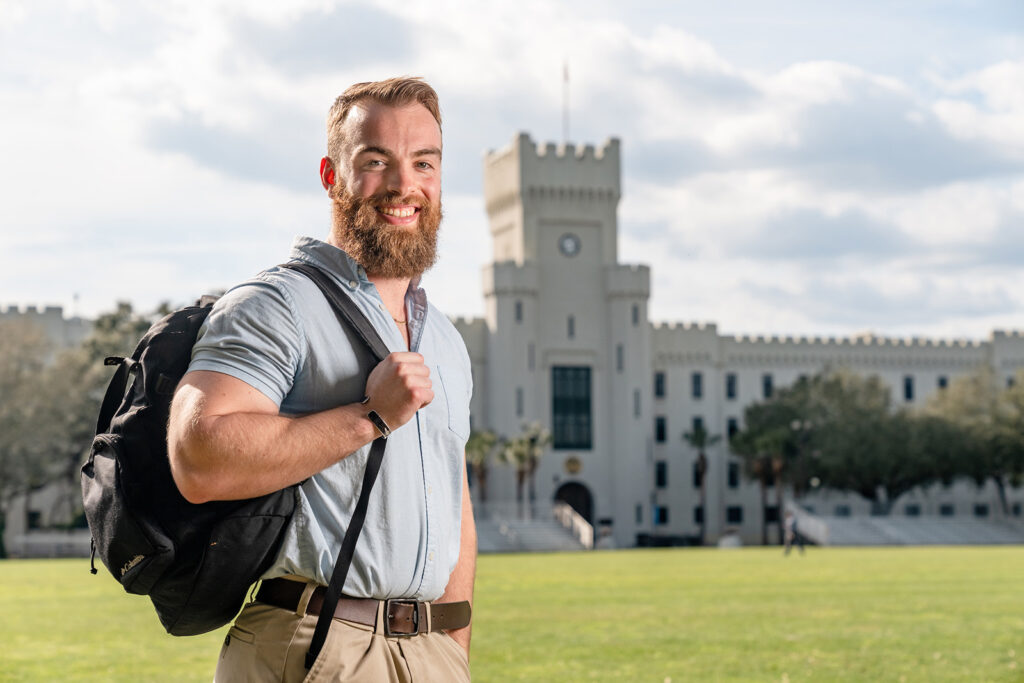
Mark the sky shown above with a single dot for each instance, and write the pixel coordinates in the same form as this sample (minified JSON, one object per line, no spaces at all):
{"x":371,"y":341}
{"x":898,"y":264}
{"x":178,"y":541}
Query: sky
{"x":794,"y":167}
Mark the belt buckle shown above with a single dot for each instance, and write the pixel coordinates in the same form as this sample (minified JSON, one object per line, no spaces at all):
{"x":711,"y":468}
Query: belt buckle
{"x":415,"y":617}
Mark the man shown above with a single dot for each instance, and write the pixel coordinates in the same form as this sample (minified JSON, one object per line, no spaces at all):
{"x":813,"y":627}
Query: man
{"x":275,"y":396}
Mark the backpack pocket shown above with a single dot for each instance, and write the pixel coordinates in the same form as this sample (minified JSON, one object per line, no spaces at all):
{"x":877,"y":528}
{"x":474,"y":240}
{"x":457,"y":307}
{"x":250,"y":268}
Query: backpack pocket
{"x":136,"y":553}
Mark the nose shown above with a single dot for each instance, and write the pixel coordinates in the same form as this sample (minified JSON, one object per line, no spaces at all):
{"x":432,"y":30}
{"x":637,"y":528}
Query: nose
{"x":401,"y":180}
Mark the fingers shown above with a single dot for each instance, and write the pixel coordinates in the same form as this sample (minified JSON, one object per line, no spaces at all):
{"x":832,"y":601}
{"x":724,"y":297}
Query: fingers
{"x":399,"y":386}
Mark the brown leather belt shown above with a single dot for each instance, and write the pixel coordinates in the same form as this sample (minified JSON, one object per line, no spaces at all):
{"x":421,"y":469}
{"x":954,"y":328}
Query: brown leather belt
{"x":404,"y":617}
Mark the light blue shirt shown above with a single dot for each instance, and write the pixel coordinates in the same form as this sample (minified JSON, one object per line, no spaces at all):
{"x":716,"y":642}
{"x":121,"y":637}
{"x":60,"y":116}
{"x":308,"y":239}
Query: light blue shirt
{"x":278,"y":334}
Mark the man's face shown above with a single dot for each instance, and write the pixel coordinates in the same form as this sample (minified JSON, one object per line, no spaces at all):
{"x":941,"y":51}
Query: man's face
{"x":387,"y":193}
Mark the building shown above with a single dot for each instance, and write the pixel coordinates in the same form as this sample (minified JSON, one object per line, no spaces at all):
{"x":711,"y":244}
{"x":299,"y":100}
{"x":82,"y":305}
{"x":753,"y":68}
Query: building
{"x":566,"y":341}
{"x":63,"y":333}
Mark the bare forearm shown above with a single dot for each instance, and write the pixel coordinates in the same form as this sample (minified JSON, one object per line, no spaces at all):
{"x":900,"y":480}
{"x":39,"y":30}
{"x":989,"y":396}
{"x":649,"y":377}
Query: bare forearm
{"x":462,"y":579}
{"x":243,"y":455}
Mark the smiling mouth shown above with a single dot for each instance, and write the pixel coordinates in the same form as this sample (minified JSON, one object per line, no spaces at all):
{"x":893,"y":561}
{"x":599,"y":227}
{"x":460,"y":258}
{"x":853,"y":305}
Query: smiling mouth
{"x":398,"y":212}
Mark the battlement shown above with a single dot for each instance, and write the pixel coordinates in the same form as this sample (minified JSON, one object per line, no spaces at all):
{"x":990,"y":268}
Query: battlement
{"x":32,"y":311}
{"x":570,"y":170}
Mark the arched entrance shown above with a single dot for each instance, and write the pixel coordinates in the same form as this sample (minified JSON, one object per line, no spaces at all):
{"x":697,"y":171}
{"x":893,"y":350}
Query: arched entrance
{"x":579,"y":499}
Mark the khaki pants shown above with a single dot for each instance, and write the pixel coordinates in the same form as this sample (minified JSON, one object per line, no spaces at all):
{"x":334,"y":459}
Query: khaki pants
{"x":270,"y":644}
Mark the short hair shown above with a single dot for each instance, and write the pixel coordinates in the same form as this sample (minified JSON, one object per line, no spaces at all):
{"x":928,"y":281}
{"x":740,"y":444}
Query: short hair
{"x":394,"y":92}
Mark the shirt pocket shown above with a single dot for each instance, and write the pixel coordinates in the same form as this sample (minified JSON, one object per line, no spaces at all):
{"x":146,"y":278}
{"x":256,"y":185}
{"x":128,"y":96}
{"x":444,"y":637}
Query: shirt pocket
{"x":456,"y":398}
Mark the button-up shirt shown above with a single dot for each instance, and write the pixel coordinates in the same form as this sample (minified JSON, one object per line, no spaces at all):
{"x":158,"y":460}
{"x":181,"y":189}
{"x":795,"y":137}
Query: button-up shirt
{"x":278,"y":334}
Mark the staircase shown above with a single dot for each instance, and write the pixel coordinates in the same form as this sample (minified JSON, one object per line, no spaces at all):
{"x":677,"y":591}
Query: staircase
{"x":508,"y":528}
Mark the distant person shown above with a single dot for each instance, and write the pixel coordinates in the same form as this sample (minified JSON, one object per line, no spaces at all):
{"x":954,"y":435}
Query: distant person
{"x":791,"y":534}
{"x":275,"y":396}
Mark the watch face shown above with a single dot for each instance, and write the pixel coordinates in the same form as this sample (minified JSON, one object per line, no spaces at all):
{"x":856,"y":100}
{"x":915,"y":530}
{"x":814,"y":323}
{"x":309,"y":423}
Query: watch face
{"x":569,"y":244}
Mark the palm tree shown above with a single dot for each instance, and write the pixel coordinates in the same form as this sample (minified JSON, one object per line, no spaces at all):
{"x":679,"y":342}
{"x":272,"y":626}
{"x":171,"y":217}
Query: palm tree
{"x":479,"y":449}
{"x":523,"y":452}
{"x":701,"y":440}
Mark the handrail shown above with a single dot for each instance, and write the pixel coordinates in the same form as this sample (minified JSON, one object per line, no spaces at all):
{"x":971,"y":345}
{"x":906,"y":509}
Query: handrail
{"x":574,"y":522}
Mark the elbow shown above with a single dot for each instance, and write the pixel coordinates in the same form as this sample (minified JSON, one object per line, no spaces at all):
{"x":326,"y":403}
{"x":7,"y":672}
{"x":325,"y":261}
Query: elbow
{"x":190,"y":480}
{"x":193,"y":479}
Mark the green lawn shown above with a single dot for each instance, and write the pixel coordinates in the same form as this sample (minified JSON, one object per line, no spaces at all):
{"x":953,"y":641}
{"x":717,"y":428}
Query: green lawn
{"x":914,"y":614}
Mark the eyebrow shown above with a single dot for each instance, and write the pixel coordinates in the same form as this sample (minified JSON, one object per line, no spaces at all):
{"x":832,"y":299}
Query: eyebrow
{"x":426,"y":151}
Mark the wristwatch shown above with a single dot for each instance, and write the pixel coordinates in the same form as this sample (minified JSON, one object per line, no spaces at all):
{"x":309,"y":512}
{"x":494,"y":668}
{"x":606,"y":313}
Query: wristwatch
{"x":379,"y":423}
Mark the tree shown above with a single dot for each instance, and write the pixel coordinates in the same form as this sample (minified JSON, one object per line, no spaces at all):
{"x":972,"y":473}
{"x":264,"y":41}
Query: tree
{"x":479,"y":449}
{"x":24,"y":352}
{"x":49,"y":405}
{"x":992,"y":419}
{"x":523,"y":452}
{"x":701,"y":440}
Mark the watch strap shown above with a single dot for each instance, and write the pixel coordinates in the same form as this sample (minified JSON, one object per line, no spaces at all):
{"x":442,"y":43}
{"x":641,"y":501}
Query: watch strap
{"x":378,"y":422}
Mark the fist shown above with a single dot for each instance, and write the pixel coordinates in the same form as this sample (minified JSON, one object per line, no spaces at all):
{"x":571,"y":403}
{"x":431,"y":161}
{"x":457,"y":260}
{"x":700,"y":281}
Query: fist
{"x":398,"y":387}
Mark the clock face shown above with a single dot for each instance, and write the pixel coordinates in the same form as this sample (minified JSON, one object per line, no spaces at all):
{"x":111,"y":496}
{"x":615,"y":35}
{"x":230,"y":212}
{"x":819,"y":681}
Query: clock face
{"x":569,"y":244}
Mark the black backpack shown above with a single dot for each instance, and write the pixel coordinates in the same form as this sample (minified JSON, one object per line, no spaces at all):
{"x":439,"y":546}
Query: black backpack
{"x":196,"y":562}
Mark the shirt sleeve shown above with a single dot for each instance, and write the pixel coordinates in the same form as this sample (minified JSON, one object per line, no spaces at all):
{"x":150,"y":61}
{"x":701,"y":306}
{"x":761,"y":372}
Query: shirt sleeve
{"x":252,"y":334}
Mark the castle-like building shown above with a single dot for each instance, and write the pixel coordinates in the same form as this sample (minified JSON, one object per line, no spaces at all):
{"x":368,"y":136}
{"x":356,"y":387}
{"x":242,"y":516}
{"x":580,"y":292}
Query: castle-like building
{"x":566,"y":341}
{"x":62,"y":333}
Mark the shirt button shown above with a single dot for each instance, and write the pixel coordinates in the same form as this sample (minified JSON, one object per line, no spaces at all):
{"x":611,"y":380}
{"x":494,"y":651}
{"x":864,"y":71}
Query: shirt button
{"x":430,"y":489}
{"x":430,"y":556}
{"x":353,"y":284}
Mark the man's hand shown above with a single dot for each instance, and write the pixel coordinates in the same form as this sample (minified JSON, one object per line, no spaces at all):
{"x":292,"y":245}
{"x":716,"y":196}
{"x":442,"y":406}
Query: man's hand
{"x":398,"y":387}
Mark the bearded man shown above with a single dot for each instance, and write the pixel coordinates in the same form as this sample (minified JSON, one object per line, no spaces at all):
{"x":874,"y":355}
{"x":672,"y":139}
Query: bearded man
{"x":275,"y":395}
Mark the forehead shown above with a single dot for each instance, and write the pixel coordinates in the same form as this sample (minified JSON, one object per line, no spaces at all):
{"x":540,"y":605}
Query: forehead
{"x":410,"y":125}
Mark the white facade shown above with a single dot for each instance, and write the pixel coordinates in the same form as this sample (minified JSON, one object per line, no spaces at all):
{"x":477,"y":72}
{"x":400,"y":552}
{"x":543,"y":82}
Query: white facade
{"x":559,"y":304}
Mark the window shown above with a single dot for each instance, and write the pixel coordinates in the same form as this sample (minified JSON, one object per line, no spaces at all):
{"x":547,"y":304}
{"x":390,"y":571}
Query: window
{"x":636,"y":403}
{"x":766,"y":385}
{"x":809,"y":509}
{"x":947,"y":510}
{"x":636,"y":315}
{"x":981,"y":510}
{"x":660,"y":429}
{"x":570,"y":406}
{"x":771,"y":514}
{"x":698,"y":424}
{"x":531,"y":357}
{"x":620,"y":357}
{"x":908,"y":388}
{"x":660,"y":515}
{"x":519,"y":402}
{"x":698,"y":515}
{"x":730,"y":386}
{"x":661,"y":474}
{"x":519,"y":311}
{"x":734,"y":514}
{"x":842,"y":510}
{"x":733,"y":426}
{"x":1015,"y":510}
{"x":734,"y":475}
{"x":1009,"y":382}
{"x":639,"y":514}
{"x":943,"y":382}
{"x":34,"y":519}
{"x":912,"y":510}
{"x":571,"y":326}
{"x":696,"y":385}
{"x":659,"y":385}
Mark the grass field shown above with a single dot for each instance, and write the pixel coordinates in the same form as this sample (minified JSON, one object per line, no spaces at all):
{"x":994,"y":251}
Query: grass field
{"x":899,"y":614}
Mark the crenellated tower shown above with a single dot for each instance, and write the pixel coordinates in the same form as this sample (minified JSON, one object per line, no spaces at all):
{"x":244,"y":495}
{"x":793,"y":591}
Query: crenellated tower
{"x":568,"y":334}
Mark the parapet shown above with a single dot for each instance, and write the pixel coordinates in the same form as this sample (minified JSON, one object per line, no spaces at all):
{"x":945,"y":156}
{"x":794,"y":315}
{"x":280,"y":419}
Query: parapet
{"x":525,"y":164}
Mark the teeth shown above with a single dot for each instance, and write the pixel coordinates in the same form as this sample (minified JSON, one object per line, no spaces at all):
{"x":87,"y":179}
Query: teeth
{"x":398,"y":213}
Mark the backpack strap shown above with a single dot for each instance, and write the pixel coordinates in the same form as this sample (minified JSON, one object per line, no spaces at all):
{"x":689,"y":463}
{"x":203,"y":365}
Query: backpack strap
{"x":115,"y":391}
{"x":349,"y":313}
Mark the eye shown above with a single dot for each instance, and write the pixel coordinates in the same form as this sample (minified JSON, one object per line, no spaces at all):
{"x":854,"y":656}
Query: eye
{"x":425,"y":165}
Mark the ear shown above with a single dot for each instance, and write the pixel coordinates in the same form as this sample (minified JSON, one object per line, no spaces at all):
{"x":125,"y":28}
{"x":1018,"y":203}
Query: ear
{"x":326,"y":173}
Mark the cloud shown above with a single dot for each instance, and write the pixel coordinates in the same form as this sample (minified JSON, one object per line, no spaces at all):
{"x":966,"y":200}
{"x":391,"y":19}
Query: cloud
{"x":319,"y":41}
{"x":809,"y":235}
{"x":281,"y":147}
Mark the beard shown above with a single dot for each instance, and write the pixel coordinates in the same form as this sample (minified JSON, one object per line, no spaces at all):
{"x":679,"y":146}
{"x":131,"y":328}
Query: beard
{"x":385,"y":250}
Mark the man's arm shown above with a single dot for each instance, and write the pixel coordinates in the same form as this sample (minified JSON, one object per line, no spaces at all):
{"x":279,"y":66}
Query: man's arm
{"x":226,"y":440}
{"x":460,"y":583}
